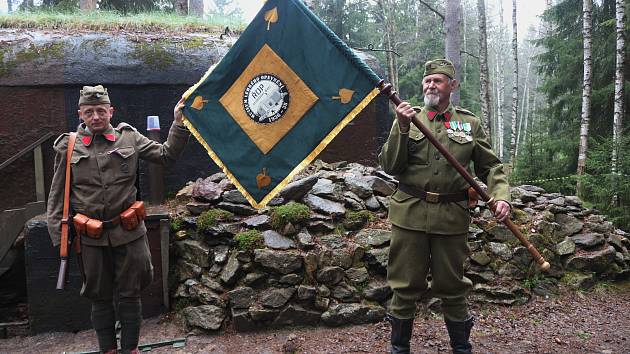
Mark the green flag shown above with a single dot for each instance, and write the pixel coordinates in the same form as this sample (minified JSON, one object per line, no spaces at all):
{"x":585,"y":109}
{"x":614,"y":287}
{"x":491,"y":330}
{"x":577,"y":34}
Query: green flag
{"x":282,"y":93}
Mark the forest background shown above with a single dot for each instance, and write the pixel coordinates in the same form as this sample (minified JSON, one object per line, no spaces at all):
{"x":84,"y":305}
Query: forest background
{"x":551,"y":101}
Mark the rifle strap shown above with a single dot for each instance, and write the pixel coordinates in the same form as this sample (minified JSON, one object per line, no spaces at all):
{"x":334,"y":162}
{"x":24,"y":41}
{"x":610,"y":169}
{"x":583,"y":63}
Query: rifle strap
{"x":63,"y":250}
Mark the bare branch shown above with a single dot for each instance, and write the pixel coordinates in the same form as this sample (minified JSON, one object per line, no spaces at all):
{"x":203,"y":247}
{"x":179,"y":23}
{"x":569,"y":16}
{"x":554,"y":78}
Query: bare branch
{"x":470,"y":54}
{"x":432,"y":9}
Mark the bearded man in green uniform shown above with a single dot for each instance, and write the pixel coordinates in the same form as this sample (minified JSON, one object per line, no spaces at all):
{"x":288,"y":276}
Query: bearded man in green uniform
{"x":429,"y":211}
{"x":117,"y":262}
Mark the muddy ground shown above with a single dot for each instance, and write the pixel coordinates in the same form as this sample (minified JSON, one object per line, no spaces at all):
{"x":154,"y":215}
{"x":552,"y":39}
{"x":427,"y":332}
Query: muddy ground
{"x":594,"y":321}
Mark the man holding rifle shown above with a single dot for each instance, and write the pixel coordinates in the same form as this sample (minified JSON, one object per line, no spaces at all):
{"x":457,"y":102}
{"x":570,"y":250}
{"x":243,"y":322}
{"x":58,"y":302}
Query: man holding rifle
{"x":115,"y":258}
{"x":429,"y":211}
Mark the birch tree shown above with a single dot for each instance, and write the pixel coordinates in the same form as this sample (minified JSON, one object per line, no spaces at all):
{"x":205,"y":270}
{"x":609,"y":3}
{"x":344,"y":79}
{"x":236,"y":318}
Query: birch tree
{"x":484,"y":74}
{"x":620,"y":8}
{"x":587,"y":10}
{"x":514,"y":84}
{"x":195,"y":8}
{"x":453,"y":19}
{"x":388,"y":22}
{"x":181,"y":7}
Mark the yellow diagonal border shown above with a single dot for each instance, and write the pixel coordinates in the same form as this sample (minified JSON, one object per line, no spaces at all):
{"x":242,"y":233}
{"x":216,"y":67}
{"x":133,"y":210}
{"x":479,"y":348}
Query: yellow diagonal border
{"x":316,"y":151}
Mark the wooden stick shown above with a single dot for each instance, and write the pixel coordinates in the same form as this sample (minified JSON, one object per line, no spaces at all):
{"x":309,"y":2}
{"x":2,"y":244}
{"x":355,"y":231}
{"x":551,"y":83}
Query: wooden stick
{"x":387,"y":90}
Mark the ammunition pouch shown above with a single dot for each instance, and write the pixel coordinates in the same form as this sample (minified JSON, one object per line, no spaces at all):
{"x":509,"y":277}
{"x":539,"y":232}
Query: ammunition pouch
{"x":93,"y":228}
{"x":132,"y":217}
{"x":84,"y":225}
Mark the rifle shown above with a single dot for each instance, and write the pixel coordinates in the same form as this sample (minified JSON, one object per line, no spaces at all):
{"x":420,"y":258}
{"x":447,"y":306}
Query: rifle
{"x":67,"y":235}
{"x":387,"y":90}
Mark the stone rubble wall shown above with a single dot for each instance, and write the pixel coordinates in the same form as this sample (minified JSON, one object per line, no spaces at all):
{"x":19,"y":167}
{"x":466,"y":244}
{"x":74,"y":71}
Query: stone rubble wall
{"x":331,"y":269}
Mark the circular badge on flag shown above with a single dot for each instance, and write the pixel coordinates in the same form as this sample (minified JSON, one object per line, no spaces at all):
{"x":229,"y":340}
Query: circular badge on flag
{"x":266,"y":98}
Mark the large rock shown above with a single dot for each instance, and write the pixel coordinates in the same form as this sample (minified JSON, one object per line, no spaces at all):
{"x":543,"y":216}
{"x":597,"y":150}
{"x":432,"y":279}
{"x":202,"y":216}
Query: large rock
{"x":194,"y":251}
{"x":501,"y":249}
{"x":298,"y":189}
{"x":380,"y":186}
{"x":345,"y":293}
{"x":325,"y":188}
{"x":231,"y":271}
{"x":377,"y":291}
{"x":500,"y":232}
{"x":359,"y":186}
{"x":208,"y":191}
{"x":569,"y":225}
{"x":597,"y":261}
{"x":241,"y":297}
{"x":295,"y":315}
{"x":234,"y":196}
{"x":260,"y":222}
{"x":377,"y":259}
{"x":276,"y":298}
{"x":276,"y":241}
{"x":514,"y":295}
{"x":373,"y":237}
{"x":281,"y":262}
{"x":357,"y":275}
{"x":324,"y":206}
{"x":208,"y":317}
{"x":565,"y":247}
{"x":330,"y":275}
{"x":589,"y":240}
{"x":344,"y":314}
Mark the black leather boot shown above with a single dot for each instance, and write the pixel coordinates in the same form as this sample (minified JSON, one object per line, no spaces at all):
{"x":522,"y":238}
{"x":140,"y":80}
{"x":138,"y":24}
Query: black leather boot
{"x":459,"y":332}
{"x":401,"y":334}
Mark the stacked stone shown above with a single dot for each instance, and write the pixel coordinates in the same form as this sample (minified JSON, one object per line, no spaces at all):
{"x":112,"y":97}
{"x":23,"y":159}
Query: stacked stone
{"x":319,"y":271}
{"x":331,"y":270}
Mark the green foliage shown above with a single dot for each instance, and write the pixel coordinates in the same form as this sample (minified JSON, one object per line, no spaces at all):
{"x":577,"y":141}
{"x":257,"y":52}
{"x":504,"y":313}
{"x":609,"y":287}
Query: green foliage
{"x":210,"y":218}
{"x":249,"y":240}
{"x":177,"y":223}
{"x":291,"y":212}
{"x":359,"y":216}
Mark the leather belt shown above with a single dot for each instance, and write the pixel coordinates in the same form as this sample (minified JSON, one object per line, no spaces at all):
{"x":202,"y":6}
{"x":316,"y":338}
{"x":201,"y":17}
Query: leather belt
{"x":110,"y":224}
{"x":433,"y":197}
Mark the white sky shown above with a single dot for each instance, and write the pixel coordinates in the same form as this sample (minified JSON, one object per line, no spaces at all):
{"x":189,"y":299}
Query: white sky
{"x":527,"y":10}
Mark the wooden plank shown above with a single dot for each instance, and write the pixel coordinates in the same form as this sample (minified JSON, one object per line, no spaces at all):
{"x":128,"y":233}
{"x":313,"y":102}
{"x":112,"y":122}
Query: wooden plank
{"x":11,"y":223}
{"x":27,"y":149}
{"x":39,"y":174}
{"x":165,"y":226}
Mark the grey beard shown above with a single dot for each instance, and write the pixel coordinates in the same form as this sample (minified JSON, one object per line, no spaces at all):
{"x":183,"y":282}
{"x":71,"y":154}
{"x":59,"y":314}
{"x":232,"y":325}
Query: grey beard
{"x":431,"y":100}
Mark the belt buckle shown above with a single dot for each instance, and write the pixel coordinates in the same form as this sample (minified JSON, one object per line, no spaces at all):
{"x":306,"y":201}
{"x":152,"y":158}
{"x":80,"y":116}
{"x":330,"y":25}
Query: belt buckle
{"x":432,"y":197}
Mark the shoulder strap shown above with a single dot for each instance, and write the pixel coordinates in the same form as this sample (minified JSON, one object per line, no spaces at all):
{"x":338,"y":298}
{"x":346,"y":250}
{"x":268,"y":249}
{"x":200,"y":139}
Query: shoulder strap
{"x":63,"y":249}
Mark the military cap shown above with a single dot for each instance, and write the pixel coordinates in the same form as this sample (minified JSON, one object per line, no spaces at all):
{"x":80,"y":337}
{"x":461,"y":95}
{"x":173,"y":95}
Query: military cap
{"x":439,"y":66}
{"x":93,"y":95}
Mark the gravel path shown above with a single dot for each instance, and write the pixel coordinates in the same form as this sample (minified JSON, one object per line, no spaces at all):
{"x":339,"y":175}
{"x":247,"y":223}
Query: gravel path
{"x":597,"y":321}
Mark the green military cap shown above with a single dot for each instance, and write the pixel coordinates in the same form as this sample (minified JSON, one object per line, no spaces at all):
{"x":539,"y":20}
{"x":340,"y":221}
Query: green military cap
{"x":93,"y":95}
{"x":439,"y":66}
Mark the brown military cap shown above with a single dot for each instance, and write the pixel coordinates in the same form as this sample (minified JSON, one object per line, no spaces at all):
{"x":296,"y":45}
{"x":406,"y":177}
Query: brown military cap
{"x":439,"y":66}
{"x":93,"y":95}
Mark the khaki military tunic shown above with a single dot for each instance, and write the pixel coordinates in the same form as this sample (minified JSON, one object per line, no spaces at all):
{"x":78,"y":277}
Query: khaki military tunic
{"x":416,"y":162}
{"x":103,"y":176}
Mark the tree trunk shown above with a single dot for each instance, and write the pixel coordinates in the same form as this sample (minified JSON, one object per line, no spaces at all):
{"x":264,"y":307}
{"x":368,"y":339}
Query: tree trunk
{"x":484,"y":73}
{"x":10,"y":6}
{"x":465,"y":58}
{"x":338,"y":16}
{"x":514,"y":85}
{"x":586,"y":87}
{"x":181,"y":7}
{"x":195,"y":8}
{"x":87,"y":5}
{"x":452,"y":45}
{"x":619,"y":91}
{"x":500,"y":88}
{"x":392,"y":65}
{"x":524,"y":109}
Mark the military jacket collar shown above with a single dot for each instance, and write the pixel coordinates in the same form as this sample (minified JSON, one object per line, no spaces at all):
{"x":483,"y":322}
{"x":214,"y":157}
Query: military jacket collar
{"x":446,"y":115}
{"x":87,"y":137}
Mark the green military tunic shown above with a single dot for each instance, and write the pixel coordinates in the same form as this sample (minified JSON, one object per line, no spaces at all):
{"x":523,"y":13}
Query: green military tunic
{"x":103,"y":176}
{"x":416,"y":162}
{"x":428,"y":235}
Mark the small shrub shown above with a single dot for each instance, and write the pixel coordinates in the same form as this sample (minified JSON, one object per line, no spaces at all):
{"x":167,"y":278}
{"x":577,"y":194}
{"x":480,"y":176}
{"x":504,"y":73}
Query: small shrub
{"x":177,"y":224}
{"x":361,"y":215}
{"x":291,"y":212}
{"x":249,"y":240}
{"x":210,"y":218}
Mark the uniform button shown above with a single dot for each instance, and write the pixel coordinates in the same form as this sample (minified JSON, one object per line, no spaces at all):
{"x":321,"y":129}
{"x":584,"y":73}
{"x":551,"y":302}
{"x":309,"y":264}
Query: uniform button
{"x":103,"y":169}
{"x":439,"y":130}
{"x":437,"y":156}
{"x":436,"y":172}
{"x":105,"y":186}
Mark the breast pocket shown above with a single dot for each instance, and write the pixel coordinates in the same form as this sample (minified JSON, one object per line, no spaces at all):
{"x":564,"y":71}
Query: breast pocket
{"x":124,"y":163}
{"x":80,"y":168}
{"x":461,"y":147}
{"x":418,"y":149}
